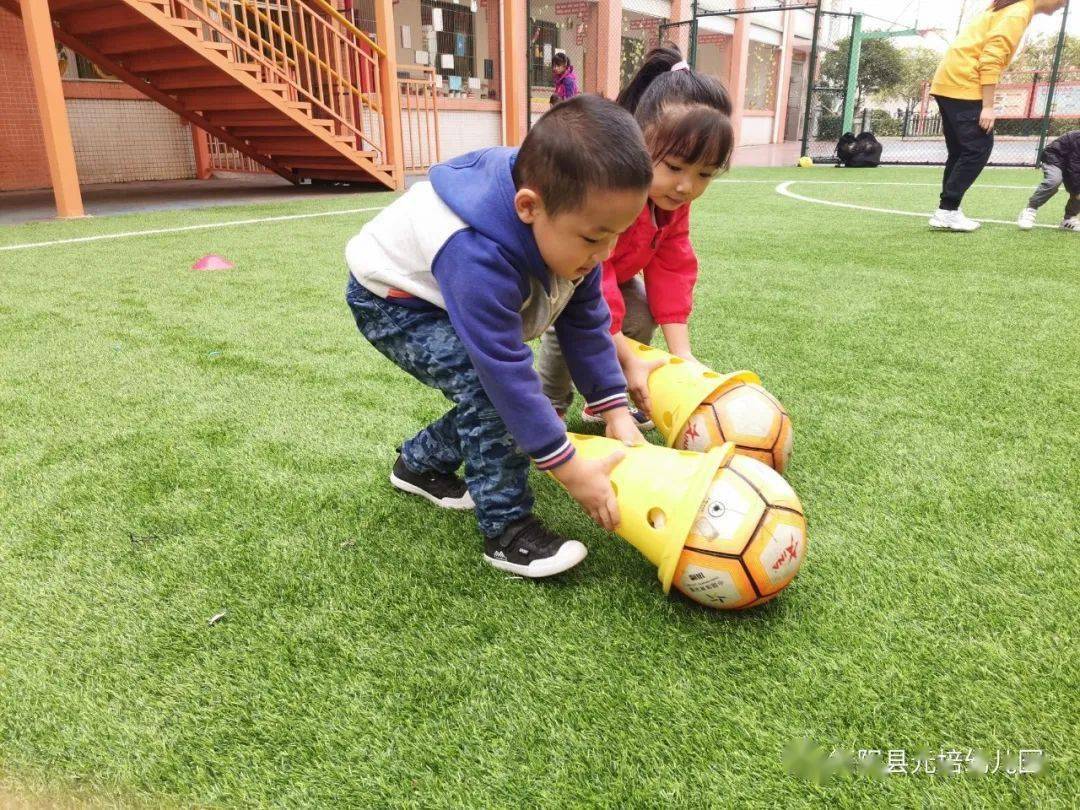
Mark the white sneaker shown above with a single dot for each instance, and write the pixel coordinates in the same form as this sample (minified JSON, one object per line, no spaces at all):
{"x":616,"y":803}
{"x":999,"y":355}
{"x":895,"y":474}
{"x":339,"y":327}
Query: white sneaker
{"x":1071,"y":224}
{"x":1027,"y":219}
{"x":953,"y":221}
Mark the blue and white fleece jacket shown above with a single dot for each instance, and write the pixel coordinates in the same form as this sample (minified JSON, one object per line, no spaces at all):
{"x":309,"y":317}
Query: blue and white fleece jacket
{"x":456,"y":243}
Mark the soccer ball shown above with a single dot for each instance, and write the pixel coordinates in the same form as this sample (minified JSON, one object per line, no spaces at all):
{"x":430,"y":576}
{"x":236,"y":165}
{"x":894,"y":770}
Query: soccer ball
{"x":748,"y":540}
{"x":805,"y":162}
{"x":747,"y":415}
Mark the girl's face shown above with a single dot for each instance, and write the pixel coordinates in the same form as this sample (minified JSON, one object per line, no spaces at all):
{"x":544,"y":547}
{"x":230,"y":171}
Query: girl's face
{"x":558,"y":70}
{"x":676,"y":182}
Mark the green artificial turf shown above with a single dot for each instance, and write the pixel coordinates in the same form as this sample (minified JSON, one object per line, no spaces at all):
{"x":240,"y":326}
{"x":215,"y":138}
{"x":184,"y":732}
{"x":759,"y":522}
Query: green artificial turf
{"x":176,"y":444}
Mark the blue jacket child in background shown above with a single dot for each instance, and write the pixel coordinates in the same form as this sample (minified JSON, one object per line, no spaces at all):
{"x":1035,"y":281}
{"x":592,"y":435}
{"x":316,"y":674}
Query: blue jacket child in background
{"x":452,"y":279}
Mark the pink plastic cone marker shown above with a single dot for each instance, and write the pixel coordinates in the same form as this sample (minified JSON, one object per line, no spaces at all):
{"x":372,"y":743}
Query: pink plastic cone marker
{"x":213,"y":261}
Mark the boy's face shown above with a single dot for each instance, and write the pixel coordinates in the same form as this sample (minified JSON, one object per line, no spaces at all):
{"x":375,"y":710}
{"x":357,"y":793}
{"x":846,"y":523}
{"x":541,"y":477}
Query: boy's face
{"x":574,"y":241}
{"x":676,"y":182}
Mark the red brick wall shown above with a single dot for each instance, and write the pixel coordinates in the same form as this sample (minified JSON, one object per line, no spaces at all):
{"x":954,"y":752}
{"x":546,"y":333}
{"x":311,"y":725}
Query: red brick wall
{"x":22,"y":156}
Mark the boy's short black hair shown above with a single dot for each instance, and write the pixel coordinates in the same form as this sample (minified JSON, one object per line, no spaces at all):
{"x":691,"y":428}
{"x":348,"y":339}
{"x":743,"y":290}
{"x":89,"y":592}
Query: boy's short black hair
{"x":583,"y":144}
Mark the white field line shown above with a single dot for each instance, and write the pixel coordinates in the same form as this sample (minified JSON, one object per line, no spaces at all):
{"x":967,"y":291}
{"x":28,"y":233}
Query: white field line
{"x":205,"y":226}
{"x":785,"y":190}
{"x":781,"y":189}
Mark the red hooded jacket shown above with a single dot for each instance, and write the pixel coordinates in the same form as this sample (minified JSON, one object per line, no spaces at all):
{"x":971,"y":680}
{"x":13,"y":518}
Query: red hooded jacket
{"x":660,"y":246}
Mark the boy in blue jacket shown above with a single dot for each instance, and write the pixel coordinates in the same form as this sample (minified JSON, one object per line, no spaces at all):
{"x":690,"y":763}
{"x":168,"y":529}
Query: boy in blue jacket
{"x":452,"y":279}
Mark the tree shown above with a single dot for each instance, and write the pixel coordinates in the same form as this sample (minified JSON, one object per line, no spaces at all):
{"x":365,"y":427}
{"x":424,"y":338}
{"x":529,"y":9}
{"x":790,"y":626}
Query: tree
{"x":920,"y":64}
{"x":881,"y":67}
{"x":1039,"y":56}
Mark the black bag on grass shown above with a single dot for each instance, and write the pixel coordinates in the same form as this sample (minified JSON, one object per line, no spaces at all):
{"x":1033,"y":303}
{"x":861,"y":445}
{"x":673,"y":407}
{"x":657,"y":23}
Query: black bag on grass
{"x":859,"y":152}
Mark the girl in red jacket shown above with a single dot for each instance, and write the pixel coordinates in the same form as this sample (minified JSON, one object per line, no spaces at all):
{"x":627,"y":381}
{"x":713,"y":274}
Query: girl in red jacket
{"x":649,"y":278}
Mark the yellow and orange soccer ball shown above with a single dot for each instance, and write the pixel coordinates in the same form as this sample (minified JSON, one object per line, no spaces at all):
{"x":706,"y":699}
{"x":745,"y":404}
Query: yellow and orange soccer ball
{"x":748,"y":540}
{"x":749,"y":416}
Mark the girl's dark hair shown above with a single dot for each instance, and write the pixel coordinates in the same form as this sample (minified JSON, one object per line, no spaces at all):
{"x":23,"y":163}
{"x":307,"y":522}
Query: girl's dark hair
{"x":682,"y":113}
{"x":560,"y":59}
{"x":998,"y":5}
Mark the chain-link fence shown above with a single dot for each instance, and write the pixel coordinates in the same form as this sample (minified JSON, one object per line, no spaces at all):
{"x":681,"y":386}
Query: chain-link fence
{"x":885,"y":89}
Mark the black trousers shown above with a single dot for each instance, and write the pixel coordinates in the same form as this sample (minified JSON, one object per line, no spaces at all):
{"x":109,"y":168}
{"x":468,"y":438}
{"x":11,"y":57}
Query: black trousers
{"x":969,"y":148}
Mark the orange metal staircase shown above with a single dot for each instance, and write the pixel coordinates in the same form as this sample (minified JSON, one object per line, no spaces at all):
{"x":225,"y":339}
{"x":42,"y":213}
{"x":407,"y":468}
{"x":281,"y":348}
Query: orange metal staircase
{"x":289,"y":83}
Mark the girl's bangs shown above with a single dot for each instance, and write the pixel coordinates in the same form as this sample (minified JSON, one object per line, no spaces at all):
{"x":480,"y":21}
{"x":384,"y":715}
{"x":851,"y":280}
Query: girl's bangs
{"x":696,"y":135}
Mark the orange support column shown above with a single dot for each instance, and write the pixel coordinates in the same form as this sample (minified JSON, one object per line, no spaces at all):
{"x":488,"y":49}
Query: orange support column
{"x":681,"y":10}
{"x":608,"y":47}
{"x":389,"y":90}
{"x":740,"y":58}
{"x":200,"y":142}
{"x":787,"y":60}
{"x":41,"y":48}
{"x":515,"y":71}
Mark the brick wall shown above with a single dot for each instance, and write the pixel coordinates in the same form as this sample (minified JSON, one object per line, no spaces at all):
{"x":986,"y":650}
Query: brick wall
{"x":117,"y":139}
{"x":22,"y":157}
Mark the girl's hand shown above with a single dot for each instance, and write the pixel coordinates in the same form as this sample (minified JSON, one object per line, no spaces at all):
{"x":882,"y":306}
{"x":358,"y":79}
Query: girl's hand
{"x":987,"y":119}
{"x":637,"y":371}
{"x":622,"y":427}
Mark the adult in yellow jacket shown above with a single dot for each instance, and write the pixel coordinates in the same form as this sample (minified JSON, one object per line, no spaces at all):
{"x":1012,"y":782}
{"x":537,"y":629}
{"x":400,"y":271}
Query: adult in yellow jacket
{"x":964,"y":86}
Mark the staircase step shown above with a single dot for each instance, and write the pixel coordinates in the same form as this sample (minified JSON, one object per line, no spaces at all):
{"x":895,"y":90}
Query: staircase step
{"x":59,"y":7}
{"x":324,"y":163}
{"x":299,"y":146}
{"x":221,"y":98}
{"x":192,"y":79}
{"x":282,"y":130}
{"x":345,"y":177}
{"x":256,"y":118}
{"x":111,"y":18}
{"x":175,"y":59}
{"x":141,"y":40}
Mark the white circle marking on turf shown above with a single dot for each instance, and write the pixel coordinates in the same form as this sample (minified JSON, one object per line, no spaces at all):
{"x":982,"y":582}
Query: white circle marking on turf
{"x":784,"y":189}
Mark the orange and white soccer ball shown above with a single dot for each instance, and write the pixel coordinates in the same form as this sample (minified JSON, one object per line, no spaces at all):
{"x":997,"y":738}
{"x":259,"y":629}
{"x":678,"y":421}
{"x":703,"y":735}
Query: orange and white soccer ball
{"x":748,"y":540}
{"x":749,"y":416}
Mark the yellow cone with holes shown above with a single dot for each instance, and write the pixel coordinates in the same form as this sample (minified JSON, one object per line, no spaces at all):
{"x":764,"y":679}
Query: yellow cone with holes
{"x":678,"y":387}
{"x":725,"y":529}
{"x":659,"y":492}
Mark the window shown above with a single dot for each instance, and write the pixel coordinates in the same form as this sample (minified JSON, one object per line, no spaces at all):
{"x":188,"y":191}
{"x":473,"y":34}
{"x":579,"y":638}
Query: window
{"x":456,"y":38}
{"x":762,"y":73}
{"x":543,"y":33}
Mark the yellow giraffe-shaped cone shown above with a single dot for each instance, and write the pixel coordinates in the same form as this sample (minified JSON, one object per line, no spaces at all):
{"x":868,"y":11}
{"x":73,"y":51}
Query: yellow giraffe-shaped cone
{"x":659,"y":491}
{"x":679,"y":386}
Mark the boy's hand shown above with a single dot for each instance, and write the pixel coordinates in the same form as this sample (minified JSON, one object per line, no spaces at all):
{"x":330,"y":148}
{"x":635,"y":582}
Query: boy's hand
{"x":637,"y":371}
{"x":589,"y":483}
{"x":622,"y":427}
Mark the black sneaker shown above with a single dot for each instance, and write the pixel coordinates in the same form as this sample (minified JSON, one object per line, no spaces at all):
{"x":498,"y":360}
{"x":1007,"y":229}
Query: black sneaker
{"x":528,"y":549}
{"x":447,"y":491}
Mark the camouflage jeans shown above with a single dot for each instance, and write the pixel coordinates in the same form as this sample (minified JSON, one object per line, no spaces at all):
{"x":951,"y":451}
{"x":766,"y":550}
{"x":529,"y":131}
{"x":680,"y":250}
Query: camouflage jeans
{"x":423,"y":343}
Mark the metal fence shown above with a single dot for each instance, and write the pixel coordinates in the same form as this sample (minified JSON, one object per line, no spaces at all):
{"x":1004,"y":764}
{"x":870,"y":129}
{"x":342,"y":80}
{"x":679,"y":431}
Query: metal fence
{"x":1032,"y":105}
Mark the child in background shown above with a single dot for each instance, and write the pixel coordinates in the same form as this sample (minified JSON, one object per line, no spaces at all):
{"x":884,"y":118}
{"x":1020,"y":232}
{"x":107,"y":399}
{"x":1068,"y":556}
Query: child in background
{"x":566,"y":85}
{"x":452,"y":279}
{"x":1061,"y":166}
{"x":649,"y":278}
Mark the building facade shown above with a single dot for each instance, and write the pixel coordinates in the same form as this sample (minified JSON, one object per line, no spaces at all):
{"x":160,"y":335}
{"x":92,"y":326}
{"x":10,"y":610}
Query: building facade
{"x":467,"y":75}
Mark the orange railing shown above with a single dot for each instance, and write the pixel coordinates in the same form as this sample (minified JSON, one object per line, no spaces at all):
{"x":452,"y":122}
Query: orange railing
{"x":309,"y":49}
{"x":223,"y":158}
{"x":419,"y":118}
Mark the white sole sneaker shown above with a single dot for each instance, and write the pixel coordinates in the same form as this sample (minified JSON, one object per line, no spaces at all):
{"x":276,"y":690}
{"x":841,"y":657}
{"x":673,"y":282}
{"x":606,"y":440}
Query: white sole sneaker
{"x":965,"y":225}
{"x":463,"y":503}
{"x":569,"y":554}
